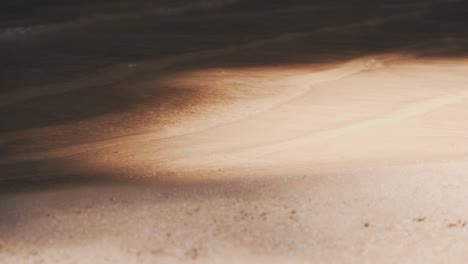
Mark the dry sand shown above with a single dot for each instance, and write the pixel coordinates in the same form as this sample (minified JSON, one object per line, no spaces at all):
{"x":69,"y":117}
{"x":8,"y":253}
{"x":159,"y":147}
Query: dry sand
{"x":360,"y":162}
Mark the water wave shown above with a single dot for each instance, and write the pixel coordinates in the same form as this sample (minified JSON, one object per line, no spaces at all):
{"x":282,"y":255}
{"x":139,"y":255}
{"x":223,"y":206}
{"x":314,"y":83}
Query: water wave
{"x":23,"y":27}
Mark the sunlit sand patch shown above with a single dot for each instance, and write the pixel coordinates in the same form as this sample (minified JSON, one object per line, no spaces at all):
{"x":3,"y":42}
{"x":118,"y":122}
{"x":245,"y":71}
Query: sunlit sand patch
{"x":277,"y":115}
{"x":220,"y":96}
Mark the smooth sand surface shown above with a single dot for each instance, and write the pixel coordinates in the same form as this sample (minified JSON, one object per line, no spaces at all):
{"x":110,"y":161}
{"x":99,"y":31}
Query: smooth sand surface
{"x":358,"y":162}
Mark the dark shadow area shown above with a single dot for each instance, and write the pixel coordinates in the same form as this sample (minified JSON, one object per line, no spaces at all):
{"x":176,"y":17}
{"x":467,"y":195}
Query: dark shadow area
{"x":38,"y":59}
{"x":438,"y":33}
{"x":64,"y":174}
{"x":87,"y":102}
{"x":27,"y":177}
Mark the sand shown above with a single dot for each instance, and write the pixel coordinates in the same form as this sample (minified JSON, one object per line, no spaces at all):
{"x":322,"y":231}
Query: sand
{"x":357,"y":162}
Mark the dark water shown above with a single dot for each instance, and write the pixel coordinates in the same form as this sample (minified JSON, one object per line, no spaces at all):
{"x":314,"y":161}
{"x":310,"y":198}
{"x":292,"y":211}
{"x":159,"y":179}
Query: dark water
{"x":50,"y":41}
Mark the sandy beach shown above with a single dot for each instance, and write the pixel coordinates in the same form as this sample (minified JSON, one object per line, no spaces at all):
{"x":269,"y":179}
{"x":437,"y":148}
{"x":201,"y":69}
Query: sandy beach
{"x":360,"y":162}
{"x":234,"y":132}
